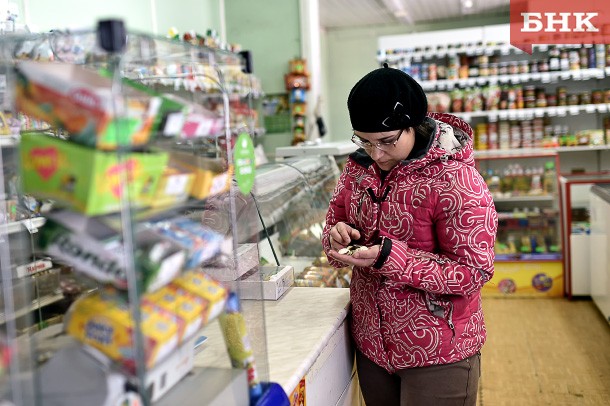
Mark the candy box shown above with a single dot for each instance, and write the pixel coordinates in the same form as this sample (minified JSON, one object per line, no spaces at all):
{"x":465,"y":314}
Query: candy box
{"x":94,"y":246}
{"x":102,"y":321}
{"x":174,"y":186}
{"x":83,"y":102}
{"x":211,"y":175}
{"x":186,"y":307}
{"x":267,"y":282}
{"x":200,"y":242}
{"x":86,"y":179}
{"x":203,"y":286}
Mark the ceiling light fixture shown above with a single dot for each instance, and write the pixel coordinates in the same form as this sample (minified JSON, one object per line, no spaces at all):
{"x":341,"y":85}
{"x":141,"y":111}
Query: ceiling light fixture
{"x":467,"y":6}
{"x":397,"y":8}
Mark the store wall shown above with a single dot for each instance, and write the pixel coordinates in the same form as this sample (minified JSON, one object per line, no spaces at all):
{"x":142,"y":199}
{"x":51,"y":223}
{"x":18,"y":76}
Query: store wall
{"x":149,"y":16}
{"x":351,"y":53}
{"x":271,"y":30}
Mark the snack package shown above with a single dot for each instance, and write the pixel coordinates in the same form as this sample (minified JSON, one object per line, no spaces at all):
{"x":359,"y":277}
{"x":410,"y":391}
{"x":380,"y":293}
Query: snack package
{"x":233,"y":325}
{"x":187,"y":307}
{"x":83,"y":102}
{"x":86,"y":179}
{"x":206,"y":288}
{"x":95,"y":248}
{"x":103,"y":322}
{"x":211,"y":175}
{"x":200,"y":242}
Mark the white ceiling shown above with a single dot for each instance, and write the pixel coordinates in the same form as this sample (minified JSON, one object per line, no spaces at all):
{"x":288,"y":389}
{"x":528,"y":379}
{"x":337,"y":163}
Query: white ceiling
{"x":353,"y":13}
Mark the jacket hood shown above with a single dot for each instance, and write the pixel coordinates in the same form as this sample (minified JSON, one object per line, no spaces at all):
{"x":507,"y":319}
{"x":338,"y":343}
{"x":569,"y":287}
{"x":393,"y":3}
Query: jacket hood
{"x":452,"y":139}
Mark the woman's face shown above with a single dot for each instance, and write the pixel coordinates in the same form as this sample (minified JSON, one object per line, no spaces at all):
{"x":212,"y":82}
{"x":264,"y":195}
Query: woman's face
{"x":387,"y":149}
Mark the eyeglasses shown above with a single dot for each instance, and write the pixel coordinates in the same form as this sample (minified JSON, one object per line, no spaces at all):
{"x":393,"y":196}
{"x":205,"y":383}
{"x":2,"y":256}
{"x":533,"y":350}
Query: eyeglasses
{"x":381,"y":145}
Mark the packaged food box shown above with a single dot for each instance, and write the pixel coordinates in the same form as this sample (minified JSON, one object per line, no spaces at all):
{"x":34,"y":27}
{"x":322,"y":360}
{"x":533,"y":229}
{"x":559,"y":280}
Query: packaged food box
{"x":94,"y":247}
{"x":211,"y":175}
{"x":174,"y":186}
{"x":200,"y":242}
{"x":86,"y":179}
{"x":103,"y":322}
{"x":203,"y":286}
{"x":83,"y":102}
{"x":187,"y":307}
{"x":270,"y":282}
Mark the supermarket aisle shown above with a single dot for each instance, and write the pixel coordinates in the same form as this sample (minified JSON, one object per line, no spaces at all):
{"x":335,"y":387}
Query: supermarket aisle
{"x":545,"y":352}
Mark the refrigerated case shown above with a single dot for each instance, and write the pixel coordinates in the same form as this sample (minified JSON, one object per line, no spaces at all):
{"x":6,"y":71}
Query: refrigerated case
{"x":599,"y":248}
{"x":528,"y":250}
{"x":119,"y":142}
{"x":576,"y":230}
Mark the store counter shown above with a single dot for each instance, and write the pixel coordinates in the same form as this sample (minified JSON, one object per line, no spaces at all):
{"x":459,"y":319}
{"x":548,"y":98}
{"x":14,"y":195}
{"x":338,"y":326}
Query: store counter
{"x":307,"y":339}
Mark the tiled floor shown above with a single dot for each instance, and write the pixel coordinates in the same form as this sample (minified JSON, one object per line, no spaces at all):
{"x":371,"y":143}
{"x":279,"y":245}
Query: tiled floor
{"x":545,"y":352}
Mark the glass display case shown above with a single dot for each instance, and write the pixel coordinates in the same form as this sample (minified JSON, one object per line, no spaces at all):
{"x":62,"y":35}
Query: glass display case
{"x":120,"y":152}
{"x":528,"y":250}
{"x":576,"y":218}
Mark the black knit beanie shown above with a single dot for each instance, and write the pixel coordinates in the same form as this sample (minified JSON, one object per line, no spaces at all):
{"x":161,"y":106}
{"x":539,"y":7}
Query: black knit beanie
{"x":386,"y":99}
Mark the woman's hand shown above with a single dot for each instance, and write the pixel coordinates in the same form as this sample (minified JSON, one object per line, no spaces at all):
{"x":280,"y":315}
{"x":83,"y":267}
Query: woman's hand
{"x":341,"y":235}
{"x":362,"y":258}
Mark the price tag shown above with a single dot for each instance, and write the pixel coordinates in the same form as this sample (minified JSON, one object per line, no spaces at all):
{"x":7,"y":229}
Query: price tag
{"x":493,"y":80}
{"x":481,"y":81}
{"x":471,"y":82}
{"x":524,"y":77}
{"x":566,"y":75}
{"x":539,"y":112}
{"x":493,"y":117}
{"x":441,"y":85}
{"x":503,"y":115}
{"x":561,"y":111}
{"x":577,"y":75}
{"x":545,"y":77}
{"x":535,"y":76}
{"x":31,"y":227}
{"x":602,"y":108}
{"x":590,"y":108}
{"x":466,"y":117}
{"x":176,"y":185}
{"x":573,"y":110}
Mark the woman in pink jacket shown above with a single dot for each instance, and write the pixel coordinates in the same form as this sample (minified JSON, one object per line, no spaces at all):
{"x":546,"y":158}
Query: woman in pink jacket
{"x":411,"y":195}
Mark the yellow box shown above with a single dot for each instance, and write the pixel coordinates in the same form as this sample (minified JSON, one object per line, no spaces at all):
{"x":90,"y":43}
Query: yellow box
{"x":211,"y":175}
{"x":174,"y":186}
{"x":201,"y":285}
{"x":100,"y":321}
{"x":188,"y":308}
{"x":526,"y":278}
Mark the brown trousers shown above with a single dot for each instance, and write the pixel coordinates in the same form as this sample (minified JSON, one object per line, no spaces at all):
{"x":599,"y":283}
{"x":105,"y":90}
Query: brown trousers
{"x":438,"y":385}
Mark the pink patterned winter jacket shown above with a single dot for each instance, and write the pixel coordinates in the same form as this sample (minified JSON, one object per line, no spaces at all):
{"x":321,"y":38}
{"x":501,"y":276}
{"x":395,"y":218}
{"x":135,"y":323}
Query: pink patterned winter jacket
{"x":420,"y":303}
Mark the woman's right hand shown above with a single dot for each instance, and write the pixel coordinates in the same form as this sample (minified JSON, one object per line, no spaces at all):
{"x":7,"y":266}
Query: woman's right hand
{"x":341,"y":235}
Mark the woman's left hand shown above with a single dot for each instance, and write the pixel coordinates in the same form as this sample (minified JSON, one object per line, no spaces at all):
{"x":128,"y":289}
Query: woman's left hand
{"x":362,"y":258}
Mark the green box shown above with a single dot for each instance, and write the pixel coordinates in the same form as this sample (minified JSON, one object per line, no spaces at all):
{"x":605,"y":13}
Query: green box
{"x":87,"y":179}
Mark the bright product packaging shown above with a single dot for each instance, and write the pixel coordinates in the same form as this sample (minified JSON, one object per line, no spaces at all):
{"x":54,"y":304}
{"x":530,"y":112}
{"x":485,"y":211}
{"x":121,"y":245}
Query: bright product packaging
{"x":183,"y":305}
{"x":211,"y":175}
{"x":174,"y":186}
{"x":83,"y":102}
{"x":201,"y":243}
{"x":206,"y":288}
{"x":240,"y":350}
{"x":95,"y":248}
{"x":89,"y":180}
{"x":103,"y":322}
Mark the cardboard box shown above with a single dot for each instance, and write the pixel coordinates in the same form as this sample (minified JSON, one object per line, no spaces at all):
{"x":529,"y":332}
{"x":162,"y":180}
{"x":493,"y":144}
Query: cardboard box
{"x":86,"y":179}
{"x":83,"y":102}
{"x":275,"y":281}
{"x":224,"y":268}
